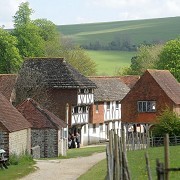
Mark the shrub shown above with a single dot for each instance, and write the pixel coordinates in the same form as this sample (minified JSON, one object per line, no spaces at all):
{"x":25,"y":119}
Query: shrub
{"x":168,"y":122}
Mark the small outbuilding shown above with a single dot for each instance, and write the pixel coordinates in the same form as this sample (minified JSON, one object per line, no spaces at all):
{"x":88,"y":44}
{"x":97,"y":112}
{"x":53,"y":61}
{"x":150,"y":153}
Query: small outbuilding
{"x":48,"y":131}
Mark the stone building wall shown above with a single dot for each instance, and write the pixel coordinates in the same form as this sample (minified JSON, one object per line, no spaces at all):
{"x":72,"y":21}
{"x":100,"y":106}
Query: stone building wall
{"x":47,"y":139}
{"x":19,"y":141}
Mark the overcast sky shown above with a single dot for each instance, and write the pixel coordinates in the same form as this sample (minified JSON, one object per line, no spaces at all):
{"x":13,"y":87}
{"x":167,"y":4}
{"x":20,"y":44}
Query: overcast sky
{"x":87,"y":11}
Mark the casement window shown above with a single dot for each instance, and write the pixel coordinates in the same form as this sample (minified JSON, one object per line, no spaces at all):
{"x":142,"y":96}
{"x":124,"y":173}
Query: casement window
{"x":85,"y":91}
{"x":117,"y":105}
{"x":94,"y":128}
{"x":101,"y":127}
{"x":80,"y":109}
{"x":108,"y":105}
{"x":146,"y":106}
{"x":97,"y":110}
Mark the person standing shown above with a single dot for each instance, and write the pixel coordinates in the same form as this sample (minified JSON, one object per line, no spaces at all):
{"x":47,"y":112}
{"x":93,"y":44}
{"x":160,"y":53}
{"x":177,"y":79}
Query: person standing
{"x":78,"y":139}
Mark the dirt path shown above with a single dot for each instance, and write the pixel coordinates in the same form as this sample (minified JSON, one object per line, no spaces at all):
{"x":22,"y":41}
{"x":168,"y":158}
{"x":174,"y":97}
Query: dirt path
{"x":64,"y":169}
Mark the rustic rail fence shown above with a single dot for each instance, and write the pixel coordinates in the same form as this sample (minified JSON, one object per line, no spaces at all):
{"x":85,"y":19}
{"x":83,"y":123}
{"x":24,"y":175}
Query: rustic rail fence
{"x":117,"y":164}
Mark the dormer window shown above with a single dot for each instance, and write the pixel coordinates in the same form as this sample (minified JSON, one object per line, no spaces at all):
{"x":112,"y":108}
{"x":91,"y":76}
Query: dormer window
{"x":146,"y":106}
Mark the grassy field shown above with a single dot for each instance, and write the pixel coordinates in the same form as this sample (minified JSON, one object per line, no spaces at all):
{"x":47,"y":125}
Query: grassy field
{"x":109,"y":61}
{"x":136,"y":31}
{"x":137,"y":164}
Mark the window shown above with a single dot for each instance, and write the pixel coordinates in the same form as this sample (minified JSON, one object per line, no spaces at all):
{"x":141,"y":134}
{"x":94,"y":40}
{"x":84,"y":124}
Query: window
{"x":94,"y":128}
{"x":97,"y":110}
{"x":146,"y":106}
{"x":108,"y":105}
{"x":117,"y":105}
{"x":101,"y":127}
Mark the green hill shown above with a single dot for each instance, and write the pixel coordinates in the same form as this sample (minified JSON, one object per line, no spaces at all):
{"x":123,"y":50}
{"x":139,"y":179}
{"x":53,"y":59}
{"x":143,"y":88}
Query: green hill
{"x":136,"y":31}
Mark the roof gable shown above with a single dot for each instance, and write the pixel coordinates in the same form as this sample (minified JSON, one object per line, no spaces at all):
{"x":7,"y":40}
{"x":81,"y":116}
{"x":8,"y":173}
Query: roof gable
{"x":38,"y":116}
{"x":168,"y":83}
{"x":109,"y":89}
{"x":10,"y":117}
{"x":57,"y":73}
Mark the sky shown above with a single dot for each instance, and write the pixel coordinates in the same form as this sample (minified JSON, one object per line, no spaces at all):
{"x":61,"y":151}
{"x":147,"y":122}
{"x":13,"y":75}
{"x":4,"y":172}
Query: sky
{"x":63,"y":12}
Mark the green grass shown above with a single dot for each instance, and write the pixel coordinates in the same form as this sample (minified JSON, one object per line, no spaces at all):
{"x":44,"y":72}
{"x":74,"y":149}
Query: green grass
{"x":136,"y":30}
{"x":25,"y":165}
{"x":82,"y":152}
{"x":137,"y":165}
{"x":109,"y":61}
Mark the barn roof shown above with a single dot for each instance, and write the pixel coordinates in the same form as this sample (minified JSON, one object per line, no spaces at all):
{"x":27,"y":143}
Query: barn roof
{"x":39,"y":117}
{"x":10,"y":117}
{"x":7,"y":82}
{"x":57,"y":73}
{"x":109,"y":89}
{"x":168,"y":83}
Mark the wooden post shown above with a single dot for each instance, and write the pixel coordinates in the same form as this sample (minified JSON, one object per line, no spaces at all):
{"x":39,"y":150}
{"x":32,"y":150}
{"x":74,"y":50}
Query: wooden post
{"x":166,"y":156}
{"x":117,"y":167}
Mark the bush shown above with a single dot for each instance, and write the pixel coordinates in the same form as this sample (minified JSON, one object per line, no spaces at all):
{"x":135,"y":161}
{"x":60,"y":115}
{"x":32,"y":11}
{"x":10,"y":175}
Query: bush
{"x":168,"y":122}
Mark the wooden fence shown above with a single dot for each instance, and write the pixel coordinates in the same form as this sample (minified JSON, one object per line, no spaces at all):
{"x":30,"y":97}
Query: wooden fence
{"x":117,"y":164}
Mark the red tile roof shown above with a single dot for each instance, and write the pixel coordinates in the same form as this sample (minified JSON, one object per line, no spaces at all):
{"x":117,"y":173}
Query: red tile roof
{"x":7,"y":82}
{"x":10,"y":117}
{"x":129,"y":80}
{"x":38,"y":116}
{"x":168,"y":83}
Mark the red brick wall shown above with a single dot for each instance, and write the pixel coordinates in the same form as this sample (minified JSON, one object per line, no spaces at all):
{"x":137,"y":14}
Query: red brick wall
{"x":59,"y":99}
{"x":97,"y":117}
{"x":145,"y":89}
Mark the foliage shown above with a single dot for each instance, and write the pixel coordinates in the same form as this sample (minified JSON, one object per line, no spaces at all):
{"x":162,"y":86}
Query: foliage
{"x":168,"y":122}
{"x":30,"y":43}
{"x":146,"y":58}
{"x":170,"y":58}
{"x":47,"y":29}
{"x":74,"y":55}
{"x":22,"y":16}
{"x":9,"y":54}
{"x":19,"y":166}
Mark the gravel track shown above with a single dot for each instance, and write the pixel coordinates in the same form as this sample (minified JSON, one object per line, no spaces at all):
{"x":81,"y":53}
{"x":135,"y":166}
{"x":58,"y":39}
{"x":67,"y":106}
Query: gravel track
{"x":64,"y":169}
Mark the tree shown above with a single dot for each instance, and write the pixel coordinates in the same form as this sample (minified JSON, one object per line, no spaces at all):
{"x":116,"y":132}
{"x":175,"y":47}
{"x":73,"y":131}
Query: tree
{"x":146,"y":58}
{"x":170,"y":58}
{"x":22,"y":16}
{"x":30,"y":42}
{"x":74,"y":55}
{"x":10,"y":59}
{"x":167,"y":122}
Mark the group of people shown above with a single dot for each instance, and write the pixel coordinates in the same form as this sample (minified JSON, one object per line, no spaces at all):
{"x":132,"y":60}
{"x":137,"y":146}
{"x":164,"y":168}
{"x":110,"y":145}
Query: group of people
{"x":74,"y":140}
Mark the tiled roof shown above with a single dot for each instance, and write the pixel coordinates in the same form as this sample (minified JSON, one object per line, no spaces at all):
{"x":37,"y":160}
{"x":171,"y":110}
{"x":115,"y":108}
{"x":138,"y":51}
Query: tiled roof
{"x":129,"y":80}
{"x":109,"y":89}
{"x":57,"y":73}
{"x":10,"y":117}
{"x":38,"y":116}
{"x":168,"y":83}
{"x":7,"y":82}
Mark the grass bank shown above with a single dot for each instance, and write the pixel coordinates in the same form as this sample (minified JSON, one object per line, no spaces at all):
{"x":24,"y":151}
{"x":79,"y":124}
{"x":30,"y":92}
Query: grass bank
{"x":19,"y":167}
{"x":137,"y":165}
{"x":109,"y":61}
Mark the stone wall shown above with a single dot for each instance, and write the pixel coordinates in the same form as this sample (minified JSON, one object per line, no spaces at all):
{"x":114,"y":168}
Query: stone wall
{"x":19,"y":142}
{"x":47,"y":139}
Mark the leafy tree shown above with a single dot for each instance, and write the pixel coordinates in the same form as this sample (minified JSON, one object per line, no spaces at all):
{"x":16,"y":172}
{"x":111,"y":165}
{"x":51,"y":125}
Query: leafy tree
{"x":168,"y":122}
{"x":10,"y":59}
{"x":22,"y":16}
{"x":47,"y":29}
{"x":170,"y":58}
{"x":30,"y":42}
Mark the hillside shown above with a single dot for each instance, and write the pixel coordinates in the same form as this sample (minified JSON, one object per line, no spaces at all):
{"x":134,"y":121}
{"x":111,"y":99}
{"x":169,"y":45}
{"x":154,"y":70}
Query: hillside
{"x":136,"y":31}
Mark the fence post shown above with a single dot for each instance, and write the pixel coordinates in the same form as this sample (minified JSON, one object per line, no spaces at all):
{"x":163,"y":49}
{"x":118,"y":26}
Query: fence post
{"x":166,"y":156}
{"x":148,"y":166}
